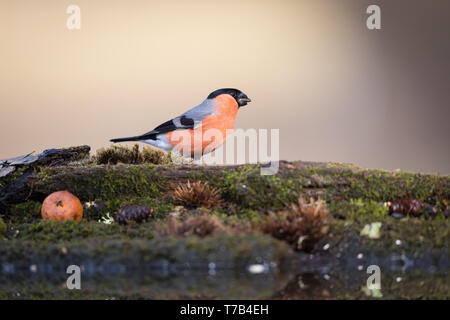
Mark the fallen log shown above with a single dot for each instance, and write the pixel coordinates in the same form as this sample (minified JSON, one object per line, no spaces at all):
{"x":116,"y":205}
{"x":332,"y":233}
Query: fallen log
{"x":14,"y":172}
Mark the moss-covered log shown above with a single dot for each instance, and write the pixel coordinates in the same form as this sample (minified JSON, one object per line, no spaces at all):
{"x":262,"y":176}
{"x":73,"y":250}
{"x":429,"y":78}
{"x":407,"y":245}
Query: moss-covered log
{"x":242,"y":184}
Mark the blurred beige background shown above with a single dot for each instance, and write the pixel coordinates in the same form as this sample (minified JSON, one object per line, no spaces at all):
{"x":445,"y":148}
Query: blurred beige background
{"x":336,"y":90}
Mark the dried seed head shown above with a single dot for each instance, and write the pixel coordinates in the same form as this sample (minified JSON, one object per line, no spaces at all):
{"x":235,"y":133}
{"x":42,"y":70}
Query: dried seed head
{"x":196,"y":194}
{"x":301,"y":225}
{"x":133,"y":155}
{"x":202,"y":225}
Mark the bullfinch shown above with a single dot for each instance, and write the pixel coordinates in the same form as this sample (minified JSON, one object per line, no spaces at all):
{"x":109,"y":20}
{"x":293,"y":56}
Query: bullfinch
{"x":199,"y":130}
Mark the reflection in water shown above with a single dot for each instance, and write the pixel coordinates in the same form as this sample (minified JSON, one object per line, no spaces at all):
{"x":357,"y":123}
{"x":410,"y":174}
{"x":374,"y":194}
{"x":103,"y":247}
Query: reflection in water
{"x":220,"y":284}
{"x":411,"y":285}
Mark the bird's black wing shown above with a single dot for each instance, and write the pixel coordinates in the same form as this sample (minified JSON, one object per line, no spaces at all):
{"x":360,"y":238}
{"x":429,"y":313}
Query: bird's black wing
{"x":178,"y":123}
{"x":168,"y":126}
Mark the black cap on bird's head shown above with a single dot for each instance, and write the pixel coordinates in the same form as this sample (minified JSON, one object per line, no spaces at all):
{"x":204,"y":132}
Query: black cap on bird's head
{"x":240,"y":97}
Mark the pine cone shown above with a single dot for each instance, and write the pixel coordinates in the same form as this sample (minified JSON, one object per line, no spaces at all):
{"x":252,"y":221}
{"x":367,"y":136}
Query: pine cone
{"x":407,"y":206}
{"x":134,"y":213}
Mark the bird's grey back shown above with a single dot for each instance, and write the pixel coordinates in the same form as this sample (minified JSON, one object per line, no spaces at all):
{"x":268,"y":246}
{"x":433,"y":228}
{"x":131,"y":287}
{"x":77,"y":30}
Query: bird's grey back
{"x":198,"y":113}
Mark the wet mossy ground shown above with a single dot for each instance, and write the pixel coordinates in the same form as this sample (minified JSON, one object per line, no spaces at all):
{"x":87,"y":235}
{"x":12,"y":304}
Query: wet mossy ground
{"x":355,"y":197}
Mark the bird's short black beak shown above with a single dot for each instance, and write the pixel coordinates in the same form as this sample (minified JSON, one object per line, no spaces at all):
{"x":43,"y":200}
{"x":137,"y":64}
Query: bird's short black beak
{"x":244,"y":101}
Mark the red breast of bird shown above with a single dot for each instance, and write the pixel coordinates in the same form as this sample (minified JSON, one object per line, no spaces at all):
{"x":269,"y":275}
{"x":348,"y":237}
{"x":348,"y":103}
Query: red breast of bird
{"x":213,"y":131}
{"x":199,"y":130}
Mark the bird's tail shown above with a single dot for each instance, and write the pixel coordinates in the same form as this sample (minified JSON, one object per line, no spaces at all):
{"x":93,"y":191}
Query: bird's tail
{"x":137,"y":138}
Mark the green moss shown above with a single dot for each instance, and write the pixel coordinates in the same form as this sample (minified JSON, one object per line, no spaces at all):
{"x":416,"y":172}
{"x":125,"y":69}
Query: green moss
{"x":103,"y":183}
{"x":341,"y":166}
{"x":384,"y":186}
{"x":359,"y":209}
{"x":47,"y":231}
{"x":100,"y":208}
{"x":25,"y":212}
{"x":239,"y":216}
{"x":250,"y":190}
{"x":3,"y":229}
